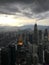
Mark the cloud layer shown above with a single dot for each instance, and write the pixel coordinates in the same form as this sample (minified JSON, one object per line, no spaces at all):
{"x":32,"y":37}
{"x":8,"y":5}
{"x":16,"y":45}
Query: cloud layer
{"x":29,"y":8}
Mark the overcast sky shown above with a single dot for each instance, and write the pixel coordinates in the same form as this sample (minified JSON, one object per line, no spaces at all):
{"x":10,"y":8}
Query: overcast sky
{"x":24,"y":12}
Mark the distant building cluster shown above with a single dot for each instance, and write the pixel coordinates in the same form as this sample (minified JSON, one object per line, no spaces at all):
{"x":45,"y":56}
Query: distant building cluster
{"x":29,"y":48}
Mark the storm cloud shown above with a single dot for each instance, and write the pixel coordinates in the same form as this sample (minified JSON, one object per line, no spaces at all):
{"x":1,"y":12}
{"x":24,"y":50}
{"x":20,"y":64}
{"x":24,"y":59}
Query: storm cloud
{"x":30,"y":8}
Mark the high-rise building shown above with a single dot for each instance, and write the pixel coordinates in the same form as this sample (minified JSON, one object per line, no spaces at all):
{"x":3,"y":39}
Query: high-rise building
{"x":4,"y":57}
{"x":46,"y":35}
{"x":31,"y":38}
{"x":45,"y":43}
{"x":46,"y":57}
{"x":35,"y":34}
{"x":12,"y":54}
{"x":0,"y":56}
{"x":40,"y":54}
{"x":40,"y":36}
{"x":35,"y":60}
{"x":20,"y":53}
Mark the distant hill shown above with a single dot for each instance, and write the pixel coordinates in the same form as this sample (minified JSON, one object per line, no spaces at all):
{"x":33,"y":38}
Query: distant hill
{"x":25,"y":27}
{"x":32,"y":27}
{"x":8,"y":28}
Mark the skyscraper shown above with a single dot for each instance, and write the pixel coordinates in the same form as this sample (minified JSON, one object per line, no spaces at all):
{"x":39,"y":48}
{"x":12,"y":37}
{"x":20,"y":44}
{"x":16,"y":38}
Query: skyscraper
{"x":46,"y":35}
{"x":4,"y":57}
{"x":0,"y":56}
{"x":40,"y":36}
{"x":40,"y":54}
{"x":46,"y":57}
{"x":12,"y":54}
{"x":46,"y":39}
{"x":31,"y":38}
{"x":35,"y":34}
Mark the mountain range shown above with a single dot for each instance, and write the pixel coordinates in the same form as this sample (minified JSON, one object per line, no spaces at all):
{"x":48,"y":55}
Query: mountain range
{"x":25,"y":27}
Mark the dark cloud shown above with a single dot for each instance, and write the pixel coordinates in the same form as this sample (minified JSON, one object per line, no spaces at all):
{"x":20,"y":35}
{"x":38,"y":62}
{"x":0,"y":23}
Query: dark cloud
{"x":9,"y":8}
{"x":44,"y":4}
{"x":43,"y":15}
{"x":28,"y":8}
{"x":25,"y":1}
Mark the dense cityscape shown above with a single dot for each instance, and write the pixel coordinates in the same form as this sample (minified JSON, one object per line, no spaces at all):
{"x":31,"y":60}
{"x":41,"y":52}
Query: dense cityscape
{"x":24,"y":47}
